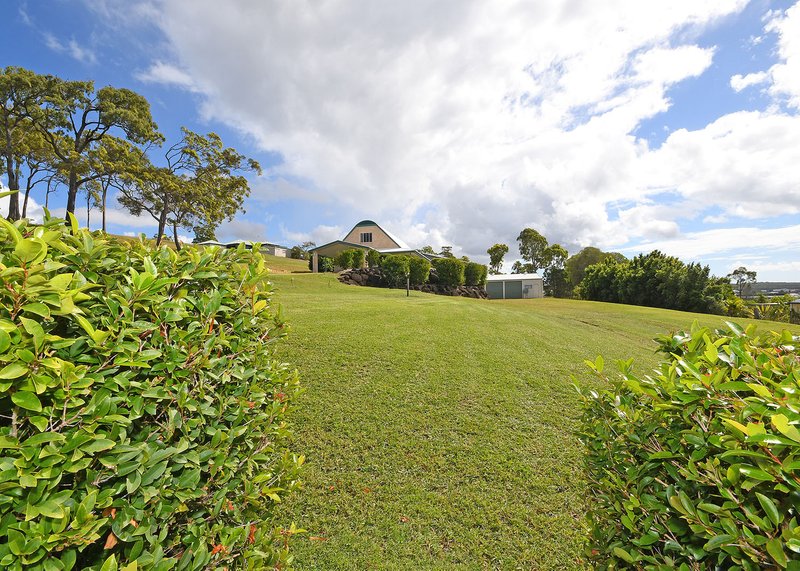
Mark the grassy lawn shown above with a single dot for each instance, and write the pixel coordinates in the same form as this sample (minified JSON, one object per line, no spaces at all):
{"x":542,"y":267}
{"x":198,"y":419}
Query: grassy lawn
{"x":438,"y":430}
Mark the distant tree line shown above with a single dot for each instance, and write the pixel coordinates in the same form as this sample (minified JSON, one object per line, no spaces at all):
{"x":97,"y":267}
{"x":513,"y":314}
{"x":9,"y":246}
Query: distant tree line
{"x":654,"y":279}
{"x":57,"y":134}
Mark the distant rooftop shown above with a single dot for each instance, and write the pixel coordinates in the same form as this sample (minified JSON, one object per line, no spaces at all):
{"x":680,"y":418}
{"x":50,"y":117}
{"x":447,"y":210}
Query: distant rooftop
{"x":503,"y":277}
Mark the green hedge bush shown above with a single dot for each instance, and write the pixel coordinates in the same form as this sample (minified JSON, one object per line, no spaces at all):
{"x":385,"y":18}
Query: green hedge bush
{"x":698,"y":467}
{"x":374,"y":258}
{"x":475,"y":274}
{"x":449,"y":271}
{"x":419,"y":269}
{"x":142,"y":415}
{"x":325,"y":264}
{"x":344,"y":259}
{"x":357,"y":260}
{"x":395,"y":269}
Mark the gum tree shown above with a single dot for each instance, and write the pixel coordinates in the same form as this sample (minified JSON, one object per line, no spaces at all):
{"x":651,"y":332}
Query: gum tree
{"x":496,"y":254}
{"x":201,"y":185}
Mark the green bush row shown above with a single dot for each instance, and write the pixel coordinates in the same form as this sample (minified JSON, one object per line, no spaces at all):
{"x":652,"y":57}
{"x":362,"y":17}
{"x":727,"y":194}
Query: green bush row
{"x":347,"y":259}
{"x":698,"y":466}
{"x":143,"y":414}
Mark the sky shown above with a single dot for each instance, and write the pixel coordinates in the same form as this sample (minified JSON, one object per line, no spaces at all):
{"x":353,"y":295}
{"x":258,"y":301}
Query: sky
{"x":625,"y":125}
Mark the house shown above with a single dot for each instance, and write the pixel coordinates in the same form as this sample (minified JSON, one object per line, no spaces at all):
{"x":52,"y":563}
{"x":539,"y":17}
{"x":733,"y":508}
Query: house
{"x":514,"y":286}
{"x":366,"y":235}
{"x":266,"y":247}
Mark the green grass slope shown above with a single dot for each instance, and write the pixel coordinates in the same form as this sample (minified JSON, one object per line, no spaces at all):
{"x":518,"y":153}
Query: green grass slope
{"x":438,"y":431}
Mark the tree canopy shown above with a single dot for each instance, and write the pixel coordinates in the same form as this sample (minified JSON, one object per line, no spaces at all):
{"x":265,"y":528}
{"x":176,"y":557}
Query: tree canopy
{"x":67,"y":134}
{"x":199,"y":187}
{"x":532,"y":248}
{"x":742,"y":278}
{"x":655,"y":280}
{"x":496,"y":254}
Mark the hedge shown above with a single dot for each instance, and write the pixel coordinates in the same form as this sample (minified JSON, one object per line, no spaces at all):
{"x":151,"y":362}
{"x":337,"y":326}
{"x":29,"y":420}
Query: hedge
{"x":449,"y":271}
{"x":698,"y":467}
{"x":419,"y":269}
{"x":395,"y":269}
{"x":143,"y":414}
{"x":357,"y":260}
{"x":344,"y":259}
{"x":475,"y":274}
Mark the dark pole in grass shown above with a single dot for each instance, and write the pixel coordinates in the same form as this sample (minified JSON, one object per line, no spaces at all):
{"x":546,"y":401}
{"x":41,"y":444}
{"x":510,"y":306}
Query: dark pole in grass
{"x":408,"y":284}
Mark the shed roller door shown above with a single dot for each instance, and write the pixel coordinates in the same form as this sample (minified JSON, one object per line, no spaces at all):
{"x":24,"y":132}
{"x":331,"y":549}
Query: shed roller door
{"x":514,"y":290}
{"x":495,"y":290}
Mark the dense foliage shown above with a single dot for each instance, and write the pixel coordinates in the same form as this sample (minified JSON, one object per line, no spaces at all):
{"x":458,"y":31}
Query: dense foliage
{"x":419,"y":270}
{"x":656,"y":280}
{"x":395,"y":269}
{"x":66,"y":134}
{"x":576,"y":265}
{"x":373,"y":258}
{"x":475,"y":274}
{"x":324,"y":263}
{"x":343,"y":260}
{"x":698,"y":467}
{"x":142,"y":413}
{"x":449,"y":271}
{"x":358,"y":256}
{"x":496,"y":254}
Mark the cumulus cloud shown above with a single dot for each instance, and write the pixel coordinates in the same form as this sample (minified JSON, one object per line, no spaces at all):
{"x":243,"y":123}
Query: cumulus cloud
{"x":167,"y":74}
{"x":35,"y":212}
{"x":461,"y":122}
{"x":114,"y":217}
{"x":786,"y":74}
{"x":770,"y":250}
{"x":740,"y":82}
{"x":242,"y":230}
{"x":783,"y":78}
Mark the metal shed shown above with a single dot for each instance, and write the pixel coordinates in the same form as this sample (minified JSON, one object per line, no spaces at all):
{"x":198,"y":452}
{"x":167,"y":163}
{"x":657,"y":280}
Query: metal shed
{"x":514,"y":286}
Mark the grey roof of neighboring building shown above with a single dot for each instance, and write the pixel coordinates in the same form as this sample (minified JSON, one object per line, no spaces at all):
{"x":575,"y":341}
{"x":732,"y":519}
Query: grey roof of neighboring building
{"x":234,"y":243}
{"x":512,"y":277}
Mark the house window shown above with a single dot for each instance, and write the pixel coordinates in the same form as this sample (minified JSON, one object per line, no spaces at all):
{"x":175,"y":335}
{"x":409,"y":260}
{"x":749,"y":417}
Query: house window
{"x":366,"y":237}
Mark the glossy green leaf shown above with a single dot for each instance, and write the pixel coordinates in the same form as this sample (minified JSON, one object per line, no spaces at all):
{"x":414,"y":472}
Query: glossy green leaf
{"x":775,"y":549}
{"x":780,"y":422}
{"x":13,"y":371}
{"x":27,"y":400}
{"x":770,"y":508}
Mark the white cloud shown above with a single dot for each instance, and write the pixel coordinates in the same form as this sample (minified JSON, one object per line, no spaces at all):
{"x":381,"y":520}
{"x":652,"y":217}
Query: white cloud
{"x":242,"y":230}
{"x":783,"y":78}
{"x":461,"y":122}
{"x":34,"y":211}
{"x":786,"y":74}
{"x":114,"y":217}
{"x":745,"y":163}
{"x":320,"y":235}
{"x":161,"y":72}
{"x":695,"y":245}
{"x":71,"y":48}
{"x":740,"y":82}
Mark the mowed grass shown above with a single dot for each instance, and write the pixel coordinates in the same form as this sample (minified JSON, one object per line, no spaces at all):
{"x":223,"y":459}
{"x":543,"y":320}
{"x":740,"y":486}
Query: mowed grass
{"x":438,"y":431}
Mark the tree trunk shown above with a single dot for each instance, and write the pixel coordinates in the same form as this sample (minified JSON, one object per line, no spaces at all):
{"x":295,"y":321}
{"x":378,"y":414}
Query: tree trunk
{"x":162,"y":224}
{"x":88,"y":209}
{"x":13,"y":184}
{"x":175,"y":236}
{"x":25,"y":202}
{"x":72,"y":191}
{"x":103,"y":205}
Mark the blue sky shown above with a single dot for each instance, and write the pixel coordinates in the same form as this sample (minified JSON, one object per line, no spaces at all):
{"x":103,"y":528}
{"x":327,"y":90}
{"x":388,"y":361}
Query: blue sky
{"x":628,"y":126}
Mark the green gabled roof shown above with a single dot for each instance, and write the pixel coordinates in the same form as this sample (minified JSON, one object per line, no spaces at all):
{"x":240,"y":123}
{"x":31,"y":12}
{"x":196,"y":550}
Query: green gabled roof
{"x":335,"y":242}
{"x":365,"y":223}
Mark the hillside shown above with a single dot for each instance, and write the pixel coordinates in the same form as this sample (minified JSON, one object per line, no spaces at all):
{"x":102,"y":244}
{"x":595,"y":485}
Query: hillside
{"x":438,"y":430}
